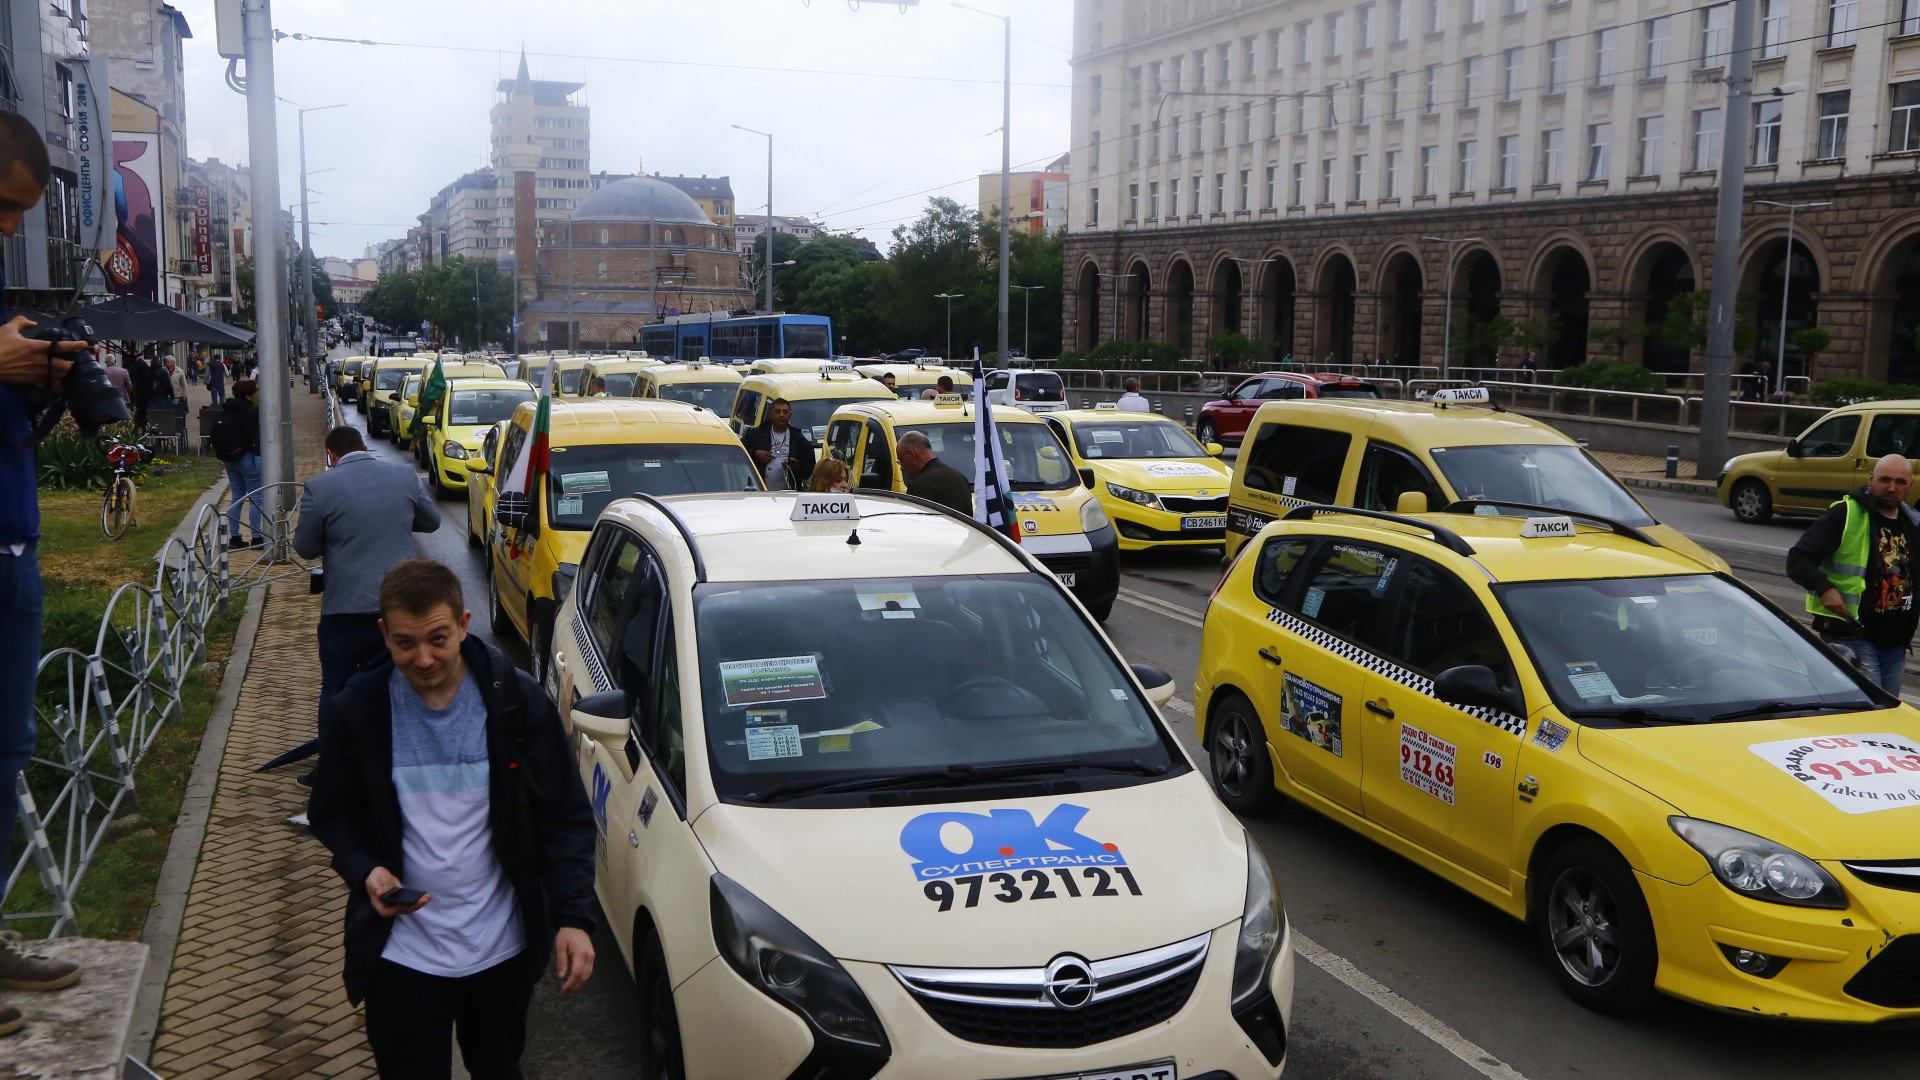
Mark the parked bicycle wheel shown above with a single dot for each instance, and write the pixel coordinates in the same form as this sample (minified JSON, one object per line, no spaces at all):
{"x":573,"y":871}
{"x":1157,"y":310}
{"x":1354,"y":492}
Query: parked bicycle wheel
{"x":116,"y":509}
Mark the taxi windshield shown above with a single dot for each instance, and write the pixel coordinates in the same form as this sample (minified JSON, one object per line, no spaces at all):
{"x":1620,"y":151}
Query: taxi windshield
{"x":1562,"y":477}
{"x":1684,"y":649}
{"x":811,"y":414}
{"x":569,"y":379}
{"x":352,"y":367}
{"x":1035,"y":459}
{"x":533,"y":373}
{"x":471,"y":408}
{"x":582,"y":480}
{"x":715,"y":397}
{"x":389,"y":380}
{"x":805,"y":690}
{"x":1105,"y":439}
{"x":619,"y":383}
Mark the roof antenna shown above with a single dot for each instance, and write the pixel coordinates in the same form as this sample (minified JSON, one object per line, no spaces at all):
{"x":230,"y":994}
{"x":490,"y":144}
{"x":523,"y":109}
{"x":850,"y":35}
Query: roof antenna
{"x":853,"y":537}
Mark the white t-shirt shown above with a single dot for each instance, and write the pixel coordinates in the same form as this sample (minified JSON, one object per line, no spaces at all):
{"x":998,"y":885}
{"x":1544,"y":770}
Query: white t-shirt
{"x":778,"y":442}
{"x":1133,"y":401}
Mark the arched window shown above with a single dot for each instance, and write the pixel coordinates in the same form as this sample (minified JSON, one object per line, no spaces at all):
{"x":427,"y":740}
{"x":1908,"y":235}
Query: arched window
{"x":602,"y":269}
{"x":666,"y":236}
{"x":604,"y":236}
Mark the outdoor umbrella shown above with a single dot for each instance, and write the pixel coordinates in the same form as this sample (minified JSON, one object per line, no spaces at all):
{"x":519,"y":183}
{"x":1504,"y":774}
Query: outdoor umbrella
{"x":129,"y":318}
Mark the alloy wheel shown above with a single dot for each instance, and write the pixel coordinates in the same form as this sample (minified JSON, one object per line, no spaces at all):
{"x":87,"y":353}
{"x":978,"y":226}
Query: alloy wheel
{"x":1583,"y":925}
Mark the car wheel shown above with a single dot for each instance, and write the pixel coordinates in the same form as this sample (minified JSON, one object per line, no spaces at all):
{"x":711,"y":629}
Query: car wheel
{"x":1207,"y":432}
{"x":1593,"y":925}
{"x":660,"y":1054}
{"x":1751,"y":502}
{"x":496,"y":611}
{"x":1237,"y":756}
{"x":473,"y":541}
{"x":540,"y":644}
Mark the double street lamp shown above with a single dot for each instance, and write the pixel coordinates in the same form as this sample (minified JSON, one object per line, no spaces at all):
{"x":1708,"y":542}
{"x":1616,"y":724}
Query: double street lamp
{"x":1786,"y":286}
{"x":1446,"y":336}
{"x":1026,"y":318}
{"x":769,"y":138}
{"x":306,"y":247}
{"x":949,"y":297}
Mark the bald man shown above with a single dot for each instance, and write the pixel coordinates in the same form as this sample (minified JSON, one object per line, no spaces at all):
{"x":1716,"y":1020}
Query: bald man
{"x":1857,"y":564}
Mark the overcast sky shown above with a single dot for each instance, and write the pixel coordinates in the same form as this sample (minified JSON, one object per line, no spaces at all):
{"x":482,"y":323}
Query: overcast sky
{"x":870,"y":105}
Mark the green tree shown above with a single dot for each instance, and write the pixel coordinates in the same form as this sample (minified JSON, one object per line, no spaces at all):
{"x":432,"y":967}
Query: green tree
{"x":394,"y":300}
{"x":243,"y":313}
{"x":1687,"y":320}
{"x":785,"y":246}
{"x":939,"y":252}
{"x":1478,"y":340}
{"x":448,"y":294}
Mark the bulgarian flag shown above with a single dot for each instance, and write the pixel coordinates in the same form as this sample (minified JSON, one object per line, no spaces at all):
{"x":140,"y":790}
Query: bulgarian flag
{"x":992,"y":495}
{"x":534,"y":457}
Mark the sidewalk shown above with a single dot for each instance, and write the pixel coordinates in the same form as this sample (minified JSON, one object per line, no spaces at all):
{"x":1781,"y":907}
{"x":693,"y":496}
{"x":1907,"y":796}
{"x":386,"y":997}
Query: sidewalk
{"x":1640,"y":471}
{"x":253,"y":988}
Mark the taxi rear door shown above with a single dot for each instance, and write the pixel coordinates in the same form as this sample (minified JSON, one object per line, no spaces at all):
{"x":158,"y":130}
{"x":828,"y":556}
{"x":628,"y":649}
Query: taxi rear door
{"x":1441,"y":775}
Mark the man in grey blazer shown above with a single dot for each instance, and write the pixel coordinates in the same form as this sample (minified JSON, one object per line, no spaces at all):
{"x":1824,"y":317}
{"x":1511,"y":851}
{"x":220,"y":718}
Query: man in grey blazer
{"x":351,"y":516}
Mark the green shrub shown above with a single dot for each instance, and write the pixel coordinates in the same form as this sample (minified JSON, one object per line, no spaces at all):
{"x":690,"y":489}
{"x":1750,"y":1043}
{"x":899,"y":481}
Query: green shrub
{"x":1611,"y":375}
{"x":1832,"y":393}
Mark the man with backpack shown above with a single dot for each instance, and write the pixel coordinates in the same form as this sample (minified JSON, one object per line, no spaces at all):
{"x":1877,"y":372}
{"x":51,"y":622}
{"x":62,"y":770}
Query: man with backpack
{"x":236,"y":442}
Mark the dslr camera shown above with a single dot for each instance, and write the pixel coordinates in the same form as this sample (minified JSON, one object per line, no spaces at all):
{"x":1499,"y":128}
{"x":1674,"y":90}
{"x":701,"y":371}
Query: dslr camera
{"x":85,"y":392}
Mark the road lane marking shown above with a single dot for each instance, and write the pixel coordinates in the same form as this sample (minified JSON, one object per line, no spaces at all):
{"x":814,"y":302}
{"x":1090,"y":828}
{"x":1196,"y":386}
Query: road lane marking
{"x":1179,"y":706}
{"x":1476,"y":1056}
{"x":1161,"y":607}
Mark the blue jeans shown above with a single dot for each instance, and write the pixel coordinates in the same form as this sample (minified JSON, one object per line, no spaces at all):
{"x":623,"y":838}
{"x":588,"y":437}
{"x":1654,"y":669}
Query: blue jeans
{"x":243,"y":475}
{"x":20,"y":601}
{"x":1885,"y":665}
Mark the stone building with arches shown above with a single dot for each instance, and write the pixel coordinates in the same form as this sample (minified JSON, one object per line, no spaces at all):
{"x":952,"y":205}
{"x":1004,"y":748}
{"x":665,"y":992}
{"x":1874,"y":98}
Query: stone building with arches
{"x":1567,"y":151}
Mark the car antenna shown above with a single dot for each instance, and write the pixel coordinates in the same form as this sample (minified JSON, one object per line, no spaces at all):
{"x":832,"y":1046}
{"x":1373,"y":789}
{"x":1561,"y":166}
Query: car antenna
{"x":853,"y":536}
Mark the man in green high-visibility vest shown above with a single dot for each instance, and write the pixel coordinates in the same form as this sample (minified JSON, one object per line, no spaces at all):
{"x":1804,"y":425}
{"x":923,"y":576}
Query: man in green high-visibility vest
{"x":1857,"y":564}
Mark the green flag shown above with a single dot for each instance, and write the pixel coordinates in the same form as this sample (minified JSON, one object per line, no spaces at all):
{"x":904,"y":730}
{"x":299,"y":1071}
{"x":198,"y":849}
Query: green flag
{"x":433,"y":389}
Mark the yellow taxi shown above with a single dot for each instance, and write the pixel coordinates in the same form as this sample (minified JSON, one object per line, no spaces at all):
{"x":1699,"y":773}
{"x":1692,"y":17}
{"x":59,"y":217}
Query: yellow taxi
{"x":1417,"y":456}
{"x":482,"y":486}
{"x":618,"y":372}
{"x":814,"y":396}
{"x":781,"y":365}
{"x":566,"y":374}
{"x":855,"y":819}
{"x":451,"y":433}
{"x":411,"y":400}
{"x":1677,"y":785}
{"x":1831,"y":458}
{"x":402,"y":410}
{"x":1158,"y":486}
{"x":348,"y":385}
{"x":598,"y":450}
{"x":533,"y":366}
{"x":708,"y":385}
{"x":1059,"y":519}
{"x":912,"y":381}
{"x":382,"y":382}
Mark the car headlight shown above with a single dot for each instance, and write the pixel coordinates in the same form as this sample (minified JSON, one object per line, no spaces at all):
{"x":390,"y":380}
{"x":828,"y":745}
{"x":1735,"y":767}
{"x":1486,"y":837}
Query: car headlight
{"x":775,"y":957}
{"x":1261,"y":921}
{"x":1757,"y":867}
{"x":1728,"y":467}
{"x":1134,"y":495}
{"x":453,"y":450}
{"x":1092,"y":518}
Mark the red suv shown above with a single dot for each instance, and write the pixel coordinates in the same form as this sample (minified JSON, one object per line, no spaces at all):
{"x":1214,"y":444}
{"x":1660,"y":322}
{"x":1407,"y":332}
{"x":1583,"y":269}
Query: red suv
{"x":1225,"y":420}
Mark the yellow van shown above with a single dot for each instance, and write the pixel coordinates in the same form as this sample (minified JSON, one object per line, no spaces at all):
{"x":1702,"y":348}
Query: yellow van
{"x":599,"y":450}
{"x":783,"y":366}
{"x":1832,"y":457}
{"x":384,"y":378}
{"x":566,"y":374}
{"x":814,"y":396}
{"x":708,"y":385}
{"x":912,"y":381}
{"x":450,"y":435}
{"x":618,"y":372}
{"x":1417,"y":457}
{"x":1060,"y":520}
{"x":349,"y":381}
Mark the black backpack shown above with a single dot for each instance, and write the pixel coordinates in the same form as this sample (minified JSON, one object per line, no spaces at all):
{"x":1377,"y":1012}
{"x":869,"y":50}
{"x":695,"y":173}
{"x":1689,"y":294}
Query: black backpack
{"x":229,"y":435}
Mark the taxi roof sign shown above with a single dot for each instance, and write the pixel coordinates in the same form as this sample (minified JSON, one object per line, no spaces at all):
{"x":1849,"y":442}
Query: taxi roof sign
{"x":1462,"y":395}
{"x":1547,"y":526}
{"x":1107,"y":406}
{"x":824,"y":506}
{"x":948,"y":401}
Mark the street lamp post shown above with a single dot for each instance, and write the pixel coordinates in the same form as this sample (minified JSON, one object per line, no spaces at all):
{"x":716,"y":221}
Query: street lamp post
{"x":1724,"y":287}
{"x":1117,"y":279}
{"x":1026,"y":318}
{"x":769,"y":138}
{"x":1786,"y":286}
{"x":1246,"y":275}
{"x":1446,"y":335}
{"x":306,"y":247}
{"x":1006,"y":164}
{"x":950,"y":297}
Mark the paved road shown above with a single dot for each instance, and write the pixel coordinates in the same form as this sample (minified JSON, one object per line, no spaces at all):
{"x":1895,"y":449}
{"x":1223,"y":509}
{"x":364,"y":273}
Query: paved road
{"x":1400,"y":974}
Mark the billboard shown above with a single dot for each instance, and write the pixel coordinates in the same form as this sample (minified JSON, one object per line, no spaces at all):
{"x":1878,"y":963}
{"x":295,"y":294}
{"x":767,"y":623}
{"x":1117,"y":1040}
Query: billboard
{"x":134,"y":267}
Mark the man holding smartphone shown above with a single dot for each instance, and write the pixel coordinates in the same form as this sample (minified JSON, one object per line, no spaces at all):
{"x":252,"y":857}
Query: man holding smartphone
{"x":447,"y":794}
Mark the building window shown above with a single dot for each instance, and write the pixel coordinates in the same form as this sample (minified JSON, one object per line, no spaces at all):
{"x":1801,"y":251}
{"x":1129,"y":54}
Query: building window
{"x":1432,"y":96}
{"x":1552,"y":143}
{"x":1331,"y":118}
{"x":1200,"y":68}
{"x":1606,"y":44}
{"x":1476,"y":11}
{"x":1843,"y":18}
{"x":1427,"y":156}
{"x":1247,"y":57}
{"x":1277,"y":48}
{"x":1273,"y":179}
{"x":1173,"y":197}
{"x":1326,"y":181}
{"x":1516,"y":7}
{"x":1219,"y":193}
{"x":1647,"y":163}
{"x":1359,"y":101}
{"x":600,"y":270}
{"x":1273,"y":118}
{"x":1226,"y":63}
{"x":1436,"y":16}
{"x":1400,"y":19}
{"x":1390,"y":180}
{"x":1299,"y":184}
{"x":1197,"y":197}
{"x":1133,"y":146}
{"x":1509,"y":177}
{"x":1773,"y":28}
{"x":1465,"y":179}
{"x":1093,"y":207}
{"x":1173,"y":139}
{"x":1154,"y":89}
{"x":1336,"y":23}
{"x":1706,"y":139}
{"x":1246,"y":121}
{"x":1133,"y":202}
{"x":1766,"y":132}
{"x":1716,"y":29}
{"x":604,"y":236}
{"x":1599,"y":137}
{"x":1363,"y":26}
{"x":1134,"y":87}
{"x":1303,"y":42}
{"x":1199,"y":132}
{"x":1659,"y":34}
{"x":1393,"y":94}
{"x":1510,"y":76}
{"x":1910,"y":16}
{"x":1557,"y":66}
{"x":1093,"y":151}
{"x":1153,"y":142}
{"x":1221,"y":142}
{"x":1153,"y":201}
{"x":1299,"y":112}
{"x":1832,"y":140}
{"x":1357,"y":192}
{"x":1469,"y":80}
{"x":1246,"y":189}
{"x":1093,"y":95}
{"x":1903,"y":127}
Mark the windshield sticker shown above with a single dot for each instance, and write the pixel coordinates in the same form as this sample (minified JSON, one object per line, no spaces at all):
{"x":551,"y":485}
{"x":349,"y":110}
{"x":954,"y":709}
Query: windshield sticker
{"x":840,"y":740}
{"x":756,"y":717}
{"x":1287,"y":485}
{"x":1033,"y":502}
{"x":1105,"y":435}
{"x":1179,"y":468}
{"x":1551,"y":735}
{"x":1426,"y":762}
{"x":1858,"y":774}
{"x":585,"y":483}
{"x":570,"y":505}
{"x":1703,"y":635}
{"x":1312,"y":712}
{"x":773,"y":742}
{"x":956,"y":853}
{"x":888,"y":601}
{"x":779,"y":678}
{"x":1588,"y":680}
{"x":1310,"y":604}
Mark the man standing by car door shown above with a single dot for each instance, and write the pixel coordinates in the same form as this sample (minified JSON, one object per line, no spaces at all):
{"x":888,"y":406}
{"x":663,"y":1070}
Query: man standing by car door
{"x":1857,"y":564}
{"x":783,"y":452}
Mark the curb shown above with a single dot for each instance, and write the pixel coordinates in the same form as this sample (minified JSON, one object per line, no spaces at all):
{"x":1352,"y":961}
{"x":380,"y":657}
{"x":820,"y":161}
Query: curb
{"x":162,"y":930}
{"x":1703,"y":488}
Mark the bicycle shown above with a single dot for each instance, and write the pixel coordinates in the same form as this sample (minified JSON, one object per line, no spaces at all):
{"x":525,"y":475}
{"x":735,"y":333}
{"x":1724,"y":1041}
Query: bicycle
{"x":117,"y":506}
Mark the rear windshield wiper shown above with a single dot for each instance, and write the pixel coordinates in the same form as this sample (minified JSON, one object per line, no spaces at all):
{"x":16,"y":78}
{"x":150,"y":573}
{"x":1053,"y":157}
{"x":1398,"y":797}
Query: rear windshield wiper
{"x":951,"y":776}
{"x":1790,"y":706}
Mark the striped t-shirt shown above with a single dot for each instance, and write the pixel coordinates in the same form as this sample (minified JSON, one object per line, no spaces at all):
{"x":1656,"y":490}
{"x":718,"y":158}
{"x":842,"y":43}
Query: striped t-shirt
{"x":440,"y":771}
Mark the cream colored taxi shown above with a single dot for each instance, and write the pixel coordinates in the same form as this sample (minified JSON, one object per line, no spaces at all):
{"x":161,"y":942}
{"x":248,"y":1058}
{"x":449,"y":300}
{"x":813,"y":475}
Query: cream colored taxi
{"x":451,"y":431}
{"x":615,"y":373}
{"x":912,"y":382}
{"x":858,"y":822}
{"x":814,"y":396}
{"x":1158,"y":486}
{"x":698,"y":382}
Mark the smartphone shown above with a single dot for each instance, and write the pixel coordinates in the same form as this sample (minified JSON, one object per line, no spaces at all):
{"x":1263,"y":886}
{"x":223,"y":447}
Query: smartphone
{"x":402,"y":897}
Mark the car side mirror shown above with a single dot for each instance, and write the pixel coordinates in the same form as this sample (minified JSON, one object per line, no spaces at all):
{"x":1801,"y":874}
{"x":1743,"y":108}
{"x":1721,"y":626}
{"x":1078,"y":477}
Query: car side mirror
{"x":1476,"y":685}
{"x":602,"y":717}
{"x":513,"y":510}
{"x":1411,"y":502}
{"x":1156,"y":682}
{"x":478,"y":465}
{"x":1214,"y":449}
{"x":1793,"y":448}
{"x":1086,"y":477}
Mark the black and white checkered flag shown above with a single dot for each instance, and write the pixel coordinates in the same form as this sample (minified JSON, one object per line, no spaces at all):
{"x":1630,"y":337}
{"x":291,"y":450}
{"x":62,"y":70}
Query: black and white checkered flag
{"x":992,"y":500}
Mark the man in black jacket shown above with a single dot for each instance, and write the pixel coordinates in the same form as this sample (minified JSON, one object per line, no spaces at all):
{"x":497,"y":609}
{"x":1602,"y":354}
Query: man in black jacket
{"x":448,"y":797}
{"x":782,"y":452}
{"x":1856,"y":563}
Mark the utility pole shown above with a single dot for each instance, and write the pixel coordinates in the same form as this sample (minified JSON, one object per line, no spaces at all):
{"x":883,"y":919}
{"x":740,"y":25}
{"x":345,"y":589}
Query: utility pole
{"x":1786,"y":286}
{"x":769,"y":225}
{"x":1006,"y":166}
{"x":1724,"y":288}
{"x":306,"y":254}
{"x":1446,"y":335}
{"x":950,"y":297}
{"x":269,"y":267}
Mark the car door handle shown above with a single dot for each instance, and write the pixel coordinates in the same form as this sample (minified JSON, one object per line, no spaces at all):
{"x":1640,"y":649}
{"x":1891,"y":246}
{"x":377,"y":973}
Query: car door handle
{"x":1379,"y":709}
{"x":1269,"y":655}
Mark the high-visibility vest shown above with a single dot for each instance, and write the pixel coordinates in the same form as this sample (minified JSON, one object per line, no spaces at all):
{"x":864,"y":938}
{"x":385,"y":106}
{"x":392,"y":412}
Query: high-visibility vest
{"x":1846,"y":567}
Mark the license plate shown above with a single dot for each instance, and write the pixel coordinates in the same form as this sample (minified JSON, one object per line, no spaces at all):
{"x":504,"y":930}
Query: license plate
{"x":1204,"y":521}
{"x":1159,"y":1070}
{"x":1066,"y":579}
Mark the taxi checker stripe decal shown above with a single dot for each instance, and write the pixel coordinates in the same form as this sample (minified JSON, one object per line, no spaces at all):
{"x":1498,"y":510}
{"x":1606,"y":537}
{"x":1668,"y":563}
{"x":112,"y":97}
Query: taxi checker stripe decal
{"x":1412,"y":680}
{"x":585,"y":644}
